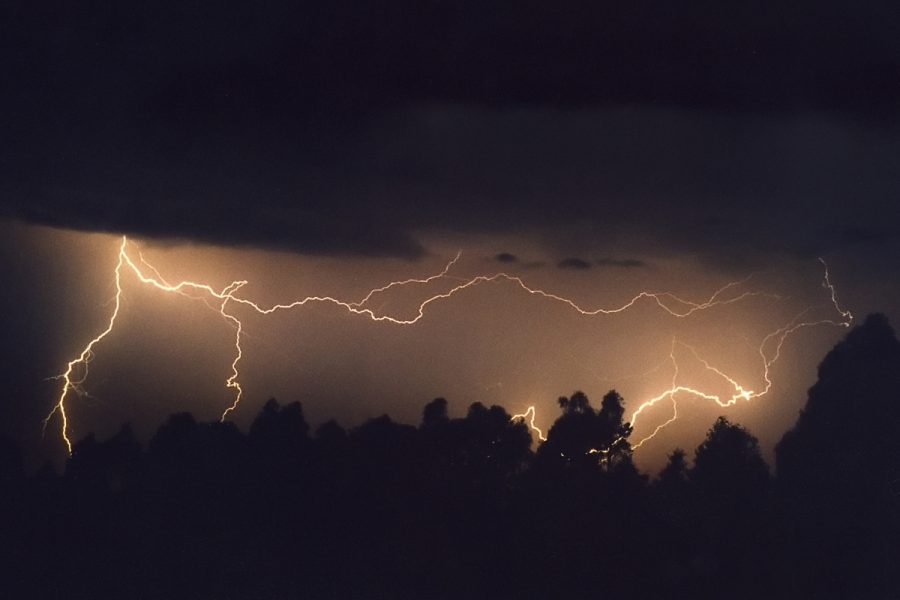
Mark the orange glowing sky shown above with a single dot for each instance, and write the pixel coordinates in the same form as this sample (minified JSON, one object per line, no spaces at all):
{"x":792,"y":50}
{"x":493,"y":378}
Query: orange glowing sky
{"x":492,"y":343}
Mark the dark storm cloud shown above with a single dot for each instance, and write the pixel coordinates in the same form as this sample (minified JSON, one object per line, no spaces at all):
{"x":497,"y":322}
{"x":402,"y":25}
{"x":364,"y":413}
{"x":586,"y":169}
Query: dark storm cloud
{"x":625,"y":263}
{"x":349,"y":128}
{"x":574,"y":263}
{"x":507,"y":258}
{"x":582,"y":264}
{"x":227,"y":219}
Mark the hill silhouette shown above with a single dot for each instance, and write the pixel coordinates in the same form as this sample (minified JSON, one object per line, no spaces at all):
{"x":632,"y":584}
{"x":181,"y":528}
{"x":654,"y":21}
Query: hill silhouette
{"x":466,"y":508}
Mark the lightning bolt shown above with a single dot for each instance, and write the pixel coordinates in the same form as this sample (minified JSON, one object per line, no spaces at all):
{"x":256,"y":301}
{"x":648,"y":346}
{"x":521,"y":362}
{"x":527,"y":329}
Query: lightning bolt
{"x":394,"y":284}
{"x":769,"y":351}
{"x":223,"y":300}
{"x":530,"y":415}
{"x":70,"y":383}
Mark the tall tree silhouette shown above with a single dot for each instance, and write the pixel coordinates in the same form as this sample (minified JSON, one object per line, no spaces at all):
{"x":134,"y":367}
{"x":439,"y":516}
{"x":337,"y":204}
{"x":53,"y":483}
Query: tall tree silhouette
{"x":728,"y":466}
{"x":582,"y":493}
{"x":731,"y":492}
{"x":671,"y":527}
{"x":839,"y":469}
{"x":674,"y":475}
{"x":585,"y":438}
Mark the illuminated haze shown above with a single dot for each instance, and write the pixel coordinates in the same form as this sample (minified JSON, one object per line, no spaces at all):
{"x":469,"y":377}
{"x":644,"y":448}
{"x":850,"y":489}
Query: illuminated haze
{"x":493,"y":343}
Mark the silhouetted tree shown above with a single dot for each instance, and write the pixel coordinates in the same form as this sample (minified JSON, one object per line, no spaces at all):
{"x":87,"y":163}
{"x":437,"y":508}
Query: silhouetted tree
{"x":330,"y":434}
{"x":731,"y":484}
{"x":282,"y":429}
{"x":582,"y":493}
{"x":615,"y":449}
{"x":435,"y":413}
{"x":728,"y":466}
{"x":671,"y":529}
{"x":280,"y":442}
{"x":839,"y":470}
{"x":583,"y":437}
{"x":674,"y":475}
{"x":108,"y":466}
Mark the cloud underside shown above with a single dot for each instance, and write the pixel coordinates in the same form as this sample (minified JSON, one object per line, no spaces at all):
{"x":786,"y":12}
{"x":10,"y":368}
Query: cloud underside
{"x":601,"y":183}
{"x":604,"y":131}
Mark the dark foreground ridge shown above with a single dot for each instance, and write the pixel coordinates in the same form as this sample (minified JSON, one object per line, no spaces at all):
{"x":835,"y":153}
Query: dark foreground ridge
{"x":463,"y":508}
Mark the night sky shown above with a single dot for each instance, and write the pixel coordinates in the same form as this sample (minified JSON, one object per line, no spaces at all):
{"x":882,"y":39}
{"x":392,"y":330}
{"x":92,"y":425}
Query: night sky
{"x":595,"y":149}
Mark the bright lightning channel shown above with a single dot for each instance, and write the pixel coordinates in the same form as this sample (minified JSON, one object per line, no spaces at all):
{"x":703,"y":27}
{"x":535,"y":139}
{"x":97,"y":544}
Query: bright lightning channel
{"x":76,"y":370}
{"x":529,"y":415}
{"x":769,"y":351}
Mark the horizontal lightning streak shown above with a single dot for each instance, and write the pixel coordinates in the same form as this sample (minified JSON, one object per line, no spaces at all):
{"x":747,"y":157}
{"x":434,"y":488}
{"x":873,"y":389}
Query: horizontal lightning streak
{"x":776,"y":339}
{"x":222,"y":300}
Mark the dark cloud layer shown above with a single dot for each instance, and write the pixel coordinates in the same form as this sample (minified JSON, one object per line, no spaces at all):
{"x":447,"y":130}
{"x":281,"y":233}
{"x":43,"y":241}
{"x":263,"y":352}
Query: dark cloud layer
{"x":625,"y":263}
{"x":574,"y":263}
{"x":350,"y":128}
{"x":582,"y":264}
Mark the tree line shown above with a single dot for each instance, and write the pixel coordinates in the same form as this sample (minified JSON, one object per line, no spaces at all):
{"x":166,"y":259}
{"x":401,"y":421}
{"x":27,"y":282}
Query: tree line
{"x":468,"y":508}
